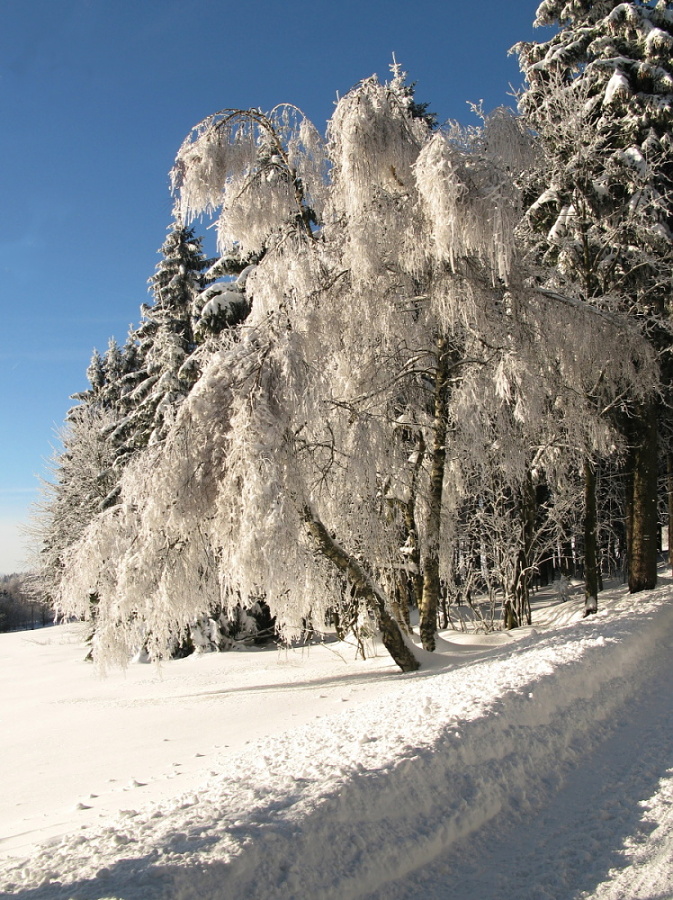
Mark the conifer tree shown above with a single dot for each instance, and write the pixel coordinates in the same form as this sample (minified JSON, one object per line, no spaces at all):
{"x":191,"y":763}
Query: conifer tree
{"x":82,"y":479}
{"x":599,"y":97}
{"x":165,"y":340}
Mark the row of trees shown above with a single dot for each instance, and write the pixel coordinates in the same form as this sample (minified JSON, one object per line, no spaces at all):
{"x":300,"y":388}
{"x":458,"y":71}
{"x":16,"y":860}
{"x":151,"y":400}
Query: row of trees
{"x":442,"y":359}
{"x":21,"y":605}
{"x":133,"y":396}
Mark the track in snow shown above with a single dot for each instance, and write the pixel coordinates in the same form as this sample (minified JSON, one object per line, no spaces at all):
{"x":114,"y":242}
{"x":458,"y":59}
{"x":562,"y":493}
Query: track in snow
{"x":580,"y":843}
{"x":516,"y":777}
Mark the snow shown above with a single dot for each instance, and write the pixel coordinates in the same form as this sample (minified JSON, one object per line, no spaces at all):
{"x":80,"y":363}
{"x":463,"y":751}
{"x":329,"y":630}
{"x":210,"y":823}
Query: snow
{"x":220,"y":297}
{"x":617,"y":87}
{"x":531,"y":764}
{"x":634,"y":158}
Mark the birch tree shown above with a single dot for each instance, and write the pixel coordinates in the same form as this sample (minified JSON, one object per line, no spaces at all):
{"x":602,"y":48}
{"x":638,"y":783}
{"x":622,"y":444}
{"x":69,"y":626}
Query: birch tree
{"x":321,"y":456}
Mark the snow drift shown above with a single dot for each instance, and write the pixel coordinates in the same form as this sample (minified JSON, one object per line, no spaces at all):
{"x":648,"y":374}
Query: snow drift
{"x":335,"y":809}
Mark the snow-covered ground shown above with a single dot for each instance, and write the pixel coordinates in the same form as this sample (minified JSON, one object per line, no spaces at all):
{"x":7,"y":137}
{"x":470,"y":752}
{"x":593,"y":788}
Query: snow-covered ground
{"x":537,"y":764}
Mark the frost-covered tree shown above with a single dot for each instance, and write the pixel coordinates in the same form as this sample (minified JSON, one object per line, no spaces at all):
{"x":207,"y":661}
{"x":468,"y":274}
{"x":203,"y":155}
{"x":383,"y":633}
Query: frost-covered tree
{"x":84,"y":473}
{"x":114,"y":369}
{"x":80,"y":471}
{"x":22,"y":603}
{"x":112,"y":378}
{"x":599,"y":97}
{"x":81,"y":480}
{"x":321,"y":459}
{"x":105,"y":429}
{"x":164,"y":368}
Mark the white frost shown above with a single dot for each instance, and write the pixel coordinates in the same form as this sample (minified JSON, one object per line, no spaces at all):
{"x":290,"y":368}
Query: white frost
{"x":618,"y":88}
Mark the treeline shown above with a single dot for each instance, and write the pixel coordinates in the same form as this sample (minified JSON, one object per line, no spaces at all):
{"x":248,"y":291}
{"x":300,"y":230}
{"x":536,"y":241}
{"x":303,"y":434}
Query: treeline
{"x":20,"y":605}
{"x":429,"y":364}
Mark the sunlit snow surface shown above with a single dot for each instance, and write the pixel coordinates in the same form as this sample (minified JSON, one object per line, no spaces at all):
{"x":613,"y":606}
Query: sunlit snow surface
{"x":532,"y":765}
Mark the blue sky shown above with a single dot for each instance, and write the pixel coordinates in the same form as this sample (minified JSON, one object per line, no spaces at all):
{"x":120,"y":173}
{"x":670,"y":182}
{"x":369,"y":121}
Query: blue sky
{"x":95,"y":99}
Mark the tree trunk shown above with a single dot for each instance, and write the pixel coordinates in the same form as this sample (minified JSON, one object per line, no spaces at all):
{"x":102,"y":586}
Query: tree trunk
{"x":516,"y":607}
{"x":528,"y":507}
{"x":399,"y":601}
{"x":431,"y":584}
{"x":642,"y":519}
{"x":669,"y":486}
{"x":590,"y":544}
{"x":567,"y":558}
{"x":510,"y":618}
{"x":365,"y":587}
{"x":407,"y":581}
{"x":410,"y":525}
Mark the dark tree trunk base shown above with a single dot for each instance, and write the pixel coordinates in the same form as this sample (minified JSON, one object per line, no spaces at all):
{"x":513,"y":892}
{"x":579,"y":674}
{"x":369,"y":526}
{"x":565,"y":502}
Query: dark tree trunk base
{"x":642,"y":518}
{"x":364,"y":586}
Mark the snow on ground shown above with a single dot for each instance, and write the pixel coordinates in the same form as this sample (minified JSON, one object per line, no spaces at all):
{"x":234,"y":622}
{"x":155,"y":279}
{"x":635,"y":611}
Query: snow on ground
{"x":71,"y":739}
{"x":532,"y":765}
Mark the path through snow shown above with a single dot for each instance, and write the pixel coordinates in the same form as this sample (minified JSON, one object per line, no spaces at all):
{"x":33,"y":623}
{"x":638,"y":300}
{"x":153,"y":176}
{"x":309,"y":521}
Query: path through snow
{"x":521,"y":775}
{"x":606,"y":834}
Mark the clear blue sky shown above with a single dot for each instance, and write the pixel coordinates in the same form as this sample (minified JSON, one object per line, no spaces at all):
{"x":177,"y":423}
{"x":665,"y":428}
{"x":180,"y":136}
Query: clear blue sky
{"x":95,"y":99}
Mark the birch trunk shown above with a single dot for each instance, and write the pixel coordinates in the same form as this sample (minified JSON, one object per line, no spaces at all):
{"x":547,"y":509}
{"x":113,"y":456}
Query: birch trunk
{"x":364,"y":586}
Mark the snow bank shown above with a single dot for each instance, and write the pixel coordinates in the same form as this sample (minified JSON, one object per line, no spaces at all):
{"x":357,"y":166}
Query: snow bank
{"x":335,"y":809}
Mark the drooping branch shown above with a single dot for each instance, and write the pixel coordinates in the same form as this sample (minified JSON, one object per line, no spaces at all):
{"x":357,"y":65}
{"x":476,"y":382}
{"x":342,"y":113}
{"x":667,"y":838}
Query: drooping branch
{"x":261,"y":170}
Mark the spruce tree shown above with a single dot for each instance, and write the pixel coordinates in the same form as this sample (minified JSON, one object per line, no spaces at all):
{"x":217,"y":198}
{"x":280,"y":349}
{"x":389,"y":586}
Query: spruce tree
{"x":162,"y":345}
{"x":83,"y":477}
{"x":600,"y":216}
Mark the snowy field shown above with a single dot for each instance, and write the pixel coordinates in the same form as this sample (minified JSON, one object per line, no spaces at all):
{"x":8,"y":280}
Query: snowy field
{"x":532,"y":765}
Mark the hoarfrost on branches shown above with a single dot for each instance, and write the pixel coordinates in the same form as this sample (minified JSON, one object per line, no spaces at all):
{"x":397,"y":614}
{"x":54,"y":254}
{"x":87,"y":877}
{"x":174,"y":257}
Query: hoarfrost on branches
{"x":388,"y":362}
{"x":262,"y":171}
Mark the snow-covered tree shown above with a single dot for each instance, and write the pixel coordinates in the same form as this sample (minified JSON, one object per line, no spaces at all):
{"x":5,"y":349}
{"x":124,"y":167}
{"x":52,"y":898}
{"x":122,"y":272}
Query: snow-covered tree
{"x":112,"y":379}
{"x":81,"y":480}
{"x":103,"y":431}
{"x":84,"y":469}
{"x":22,"y":603}
{"x":599,"y":98}
{"x":164,"y":342}
{"x":321,"y":458}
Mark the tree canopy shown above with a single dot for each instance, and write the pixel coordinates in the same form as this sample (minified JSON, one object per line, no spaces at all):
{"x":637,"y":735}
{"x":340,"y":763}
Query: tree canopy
{"x":387,"y":386}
